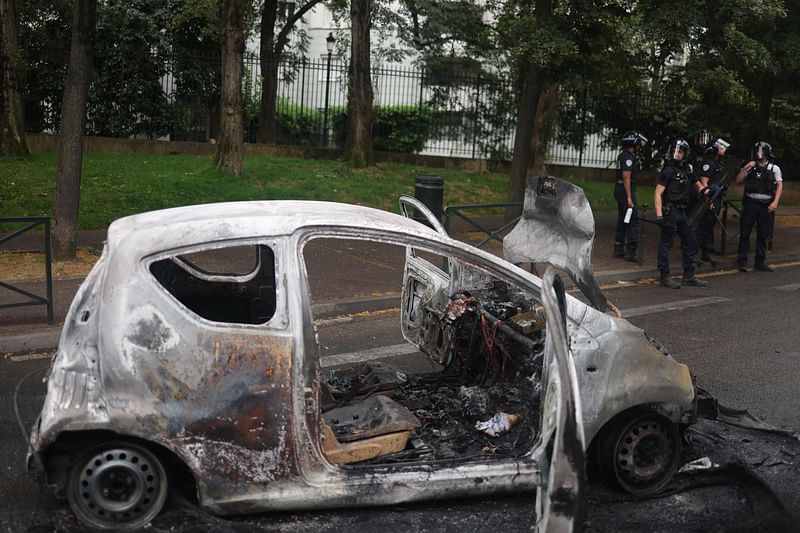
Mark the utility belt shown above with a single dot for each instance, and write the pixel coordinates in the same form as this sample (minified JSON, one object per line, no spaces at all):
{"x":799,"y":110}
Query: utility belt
{"x":758,"y":201}
{"x":670,"y":207}
{"x":621,"y":182}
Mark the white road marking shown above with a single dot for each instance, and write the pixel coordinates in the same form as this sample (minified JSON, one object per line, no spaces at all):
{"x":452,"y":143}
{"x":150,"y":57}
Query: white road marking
{"x":367,"y":355}
{"x":30,"y":357}
{"x":673,"y":306}
{"x":790,"y":287}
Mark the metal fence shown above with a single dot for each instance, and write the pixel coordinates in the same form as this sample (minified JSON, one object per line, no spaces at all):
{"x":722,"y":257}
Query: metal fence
{"x":450,"y":111}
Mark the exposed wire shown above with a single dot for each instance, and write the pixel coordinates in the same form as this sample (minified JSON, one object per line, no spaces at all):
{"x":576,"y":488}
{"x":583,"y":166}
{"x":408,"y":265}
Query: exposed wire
{"x":25,"y":434}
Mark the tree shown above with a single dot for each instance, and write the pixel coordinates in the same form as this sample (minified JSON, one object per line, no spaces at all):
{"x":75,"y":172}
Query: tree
{"x":12,"y":129}
{"x":272,"y":51}
{"x":359,"y":149}
{"x":73,"y":126}
{"x":230,"y":148}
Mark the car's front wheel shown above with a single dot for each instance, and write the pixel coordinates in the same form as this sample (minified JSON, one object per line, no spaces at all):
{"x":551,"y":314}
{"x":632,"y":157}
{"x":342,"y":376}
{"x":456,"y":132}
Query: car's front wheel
{"x":117,"y":485}
{"x":640,"y":450}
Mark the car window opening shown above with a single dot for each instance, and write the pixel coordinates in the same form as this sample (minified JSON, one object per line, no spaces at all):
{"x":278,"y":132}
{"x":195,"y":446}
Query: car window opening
{"x":233,"y":285}
{"x":476,"y":396}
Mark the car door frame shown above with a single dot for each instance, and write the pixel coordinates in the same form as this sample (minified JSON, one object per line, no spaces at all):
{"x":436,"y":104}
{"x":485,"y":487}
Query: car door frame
{"x":461,"y":476}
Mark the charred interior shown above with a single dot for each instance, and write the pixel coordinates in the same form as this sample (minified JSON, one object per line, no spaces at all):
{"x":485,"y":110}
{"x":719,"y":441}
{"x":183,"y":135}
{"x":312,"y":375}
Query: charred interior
{"x":483,"y":401}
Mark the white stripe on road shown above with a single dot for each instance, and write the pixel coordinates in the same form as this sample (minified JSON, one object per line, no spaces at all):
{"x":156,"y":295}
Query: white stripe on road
{"x":673,"y":306}
{"x":790,"y":287}
{"x":367,"y":355}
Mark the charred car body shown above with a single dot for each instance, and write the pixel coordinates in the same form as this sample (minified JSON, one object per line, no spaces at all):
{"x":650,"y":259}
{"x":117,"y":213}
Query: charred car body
{"x":170,"y":360}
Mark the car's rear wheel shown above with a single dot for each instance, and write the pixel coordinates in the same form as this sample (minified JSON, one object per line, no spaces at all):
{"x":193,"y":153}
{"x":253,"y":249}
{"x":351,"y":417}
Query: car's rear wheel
{"x":640,"y":450}
{"x":117,"y":485}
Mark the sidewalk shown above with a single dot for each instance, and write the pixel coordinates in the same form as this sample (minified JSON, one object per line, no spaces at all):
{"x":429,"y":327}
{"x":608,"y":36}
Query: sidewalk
{"x":24,"y":329}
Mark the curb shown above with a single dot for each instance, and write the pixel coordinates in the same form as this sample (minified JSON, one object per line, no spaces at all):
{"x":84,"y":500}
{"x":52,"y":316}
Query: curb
{"x":607,"y":277}
{"x":45,"y":340}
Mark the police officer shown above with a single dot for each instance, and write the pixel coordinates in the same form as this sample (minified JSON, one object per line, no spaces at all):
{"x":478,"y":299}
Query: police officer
{"x":625,"y":194}
{"x":701,"y":144}
{"x":708,"y":174}
{"x":763,"y":186}
{"x":672,"y":197}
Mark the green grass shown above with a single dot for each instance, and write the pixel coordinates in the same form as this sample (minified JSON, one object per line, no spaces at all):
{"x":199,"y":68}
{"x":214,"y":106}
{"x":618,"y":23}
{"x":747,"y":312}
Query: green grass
{"x":117,"y":185}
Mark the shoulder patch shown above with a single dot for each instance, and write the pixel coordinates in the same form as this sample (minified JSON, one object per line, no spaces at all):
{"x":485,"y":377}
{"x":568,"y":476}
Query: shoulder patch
{"x":628,"y":162}
{"x":706,"y":166}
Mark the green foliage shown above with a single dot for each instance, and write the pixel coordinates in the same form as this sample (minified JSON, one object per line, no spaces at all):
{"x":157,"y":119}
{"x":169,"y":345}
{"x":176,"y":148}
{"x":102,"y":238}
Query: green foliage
{"x":127,"y":98}
{"x":297,"y":125}
{"x":403,"y":129}
{"x":44,"y":42}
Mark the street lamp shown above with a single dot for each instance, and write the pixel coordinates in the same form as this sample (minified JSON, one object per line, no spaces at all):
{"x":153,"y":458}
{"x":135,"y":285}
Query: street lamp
{"x":330,"y":42}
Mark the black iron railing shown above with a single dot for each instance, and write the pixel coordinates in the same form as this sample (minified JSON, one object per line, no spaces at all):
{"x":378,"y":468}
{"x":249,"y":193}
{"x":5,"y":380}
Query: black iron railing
{"x":458,"y":211}
{"x":33,"y":299}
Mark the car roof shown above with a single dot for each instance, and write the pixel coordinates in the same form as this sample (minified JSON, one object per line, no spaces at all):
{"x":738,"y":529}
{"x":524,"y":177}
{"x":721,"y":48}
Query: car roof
{"x":184,"y":226}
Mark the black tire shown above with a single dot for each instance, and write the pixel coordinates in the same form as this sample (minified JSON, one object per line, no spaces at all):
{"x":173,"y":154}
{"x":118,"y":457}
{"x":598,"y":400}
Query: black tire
{"x":640,"y":450}
{"x":117,"y":485}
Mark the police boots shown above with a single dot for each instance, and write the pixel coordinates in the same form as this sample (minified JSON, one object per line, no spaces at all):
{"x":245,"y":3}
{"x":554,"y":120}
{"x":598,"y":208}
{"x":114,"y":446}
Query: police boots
{"x":707,"y":258}
{"x":630,"y":254}
{"x":668,"y":282}
{"x":691,"y":281}
{"x":619,"y":250}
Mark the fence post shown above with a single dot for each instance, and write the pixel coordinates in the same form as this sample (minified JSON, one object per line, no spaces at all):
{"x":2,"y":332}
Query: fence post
{"x":48,"y":261}
{"x":303,"y":87}
{"x":583,"y":127}
{"x":477,"y":113}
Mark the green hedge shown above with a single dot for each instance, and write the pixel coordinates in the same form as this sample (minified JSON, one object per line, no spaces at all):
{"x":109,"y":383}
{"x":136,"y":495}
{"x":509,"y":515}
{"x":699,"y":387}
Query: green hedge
{"x":403,"y":129}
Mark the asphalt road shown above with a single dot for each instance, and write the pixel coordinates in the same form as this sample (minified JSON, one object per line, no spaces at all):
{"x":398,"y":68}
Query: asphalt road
{"x":744,"y":347}
{"x":739,"y":336}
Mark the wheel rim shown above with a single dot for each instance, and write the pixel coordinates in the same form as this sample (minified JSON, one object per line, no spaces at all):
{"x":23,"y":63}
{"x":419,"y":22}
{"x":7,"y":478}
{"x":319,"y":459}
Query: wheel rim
{"x":646,"y":454}
{"x":116,"y":487}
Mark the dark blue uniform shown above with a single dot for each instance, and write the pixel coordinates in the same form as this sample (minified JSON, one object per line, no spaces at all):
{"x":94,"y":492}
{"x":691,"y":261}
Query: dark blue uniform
{"x":678,"y":180}
{"x":626,"y":234}
{"x":704,"y":235}
{"x":759,"y":192}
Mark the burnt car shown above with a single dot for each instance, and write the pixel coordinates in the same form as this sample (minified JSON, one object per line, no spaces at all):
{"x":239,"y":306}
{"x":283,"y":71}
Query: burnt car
{"x":206,"y":345}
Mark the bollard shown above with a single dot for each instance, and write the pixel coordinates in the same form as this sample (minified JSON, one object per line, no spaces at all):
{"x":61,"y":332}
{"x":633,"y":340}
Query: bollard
{"x":430,"y":191}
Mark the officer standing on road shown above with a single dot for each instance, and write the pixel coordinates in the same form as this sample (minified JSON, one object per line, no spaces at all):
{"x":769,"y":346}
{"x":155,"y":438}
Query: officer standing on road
{"x":672,"y":197}
{"x":626,"y":238}
{"x":708,"y":174}
{"x":763,"y":186}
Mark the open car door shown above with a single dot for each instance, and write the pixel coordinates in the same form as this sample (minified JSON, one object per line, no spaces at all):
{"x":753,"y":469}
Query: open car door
{"x":557,"y":227}
{"x":560,"y":502}
{"x":425,"y":292}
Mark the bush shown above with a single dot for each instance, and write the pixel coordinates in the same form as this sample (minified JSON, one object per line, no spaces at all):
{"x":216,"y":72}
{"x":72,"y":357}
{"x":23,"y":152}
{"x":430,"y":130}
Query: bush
{"x":403,"y":129}
{"x":298,"y":125}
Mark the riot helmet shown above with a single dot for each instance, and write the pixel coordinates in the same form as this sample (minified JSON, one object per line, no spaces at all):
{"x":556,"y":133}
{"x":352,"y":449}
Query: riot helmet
{"x":678,"y":150}
{"x":719,"y":147}
{"x":703,"y":140}
{"x":633,"y":138}
{"x":762,"y":150}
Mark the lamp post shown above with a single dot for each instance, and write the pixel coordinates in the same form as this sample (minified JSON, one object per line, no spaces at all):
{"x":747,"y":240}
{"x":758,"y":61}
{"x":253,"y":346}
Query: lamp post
{"x":330,"y":41}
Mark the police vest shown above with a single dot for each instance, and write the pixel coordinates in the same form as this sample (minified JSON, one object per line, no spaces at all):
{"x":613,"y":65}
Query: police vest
{"x":678,"y":190}
{"x":760,"y":180}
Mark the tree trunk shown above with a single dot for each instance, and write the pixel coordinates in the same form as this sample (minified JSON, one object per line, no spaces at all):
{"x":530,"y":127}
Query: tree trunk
{"x":267,"y":120}
{"x":12,"y":126}
{"x":230,"y":149}
{"x":532,"y":134}
{"x":543,"y":125}
{"x":359,"y":149}
{"x":526,"y":115}
{"x":73,"y":126}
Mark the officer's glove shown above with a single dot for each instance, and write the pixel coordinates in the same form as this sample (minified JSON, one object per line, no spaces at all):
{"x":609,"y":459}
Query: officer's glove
{"x":659,"y":220}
